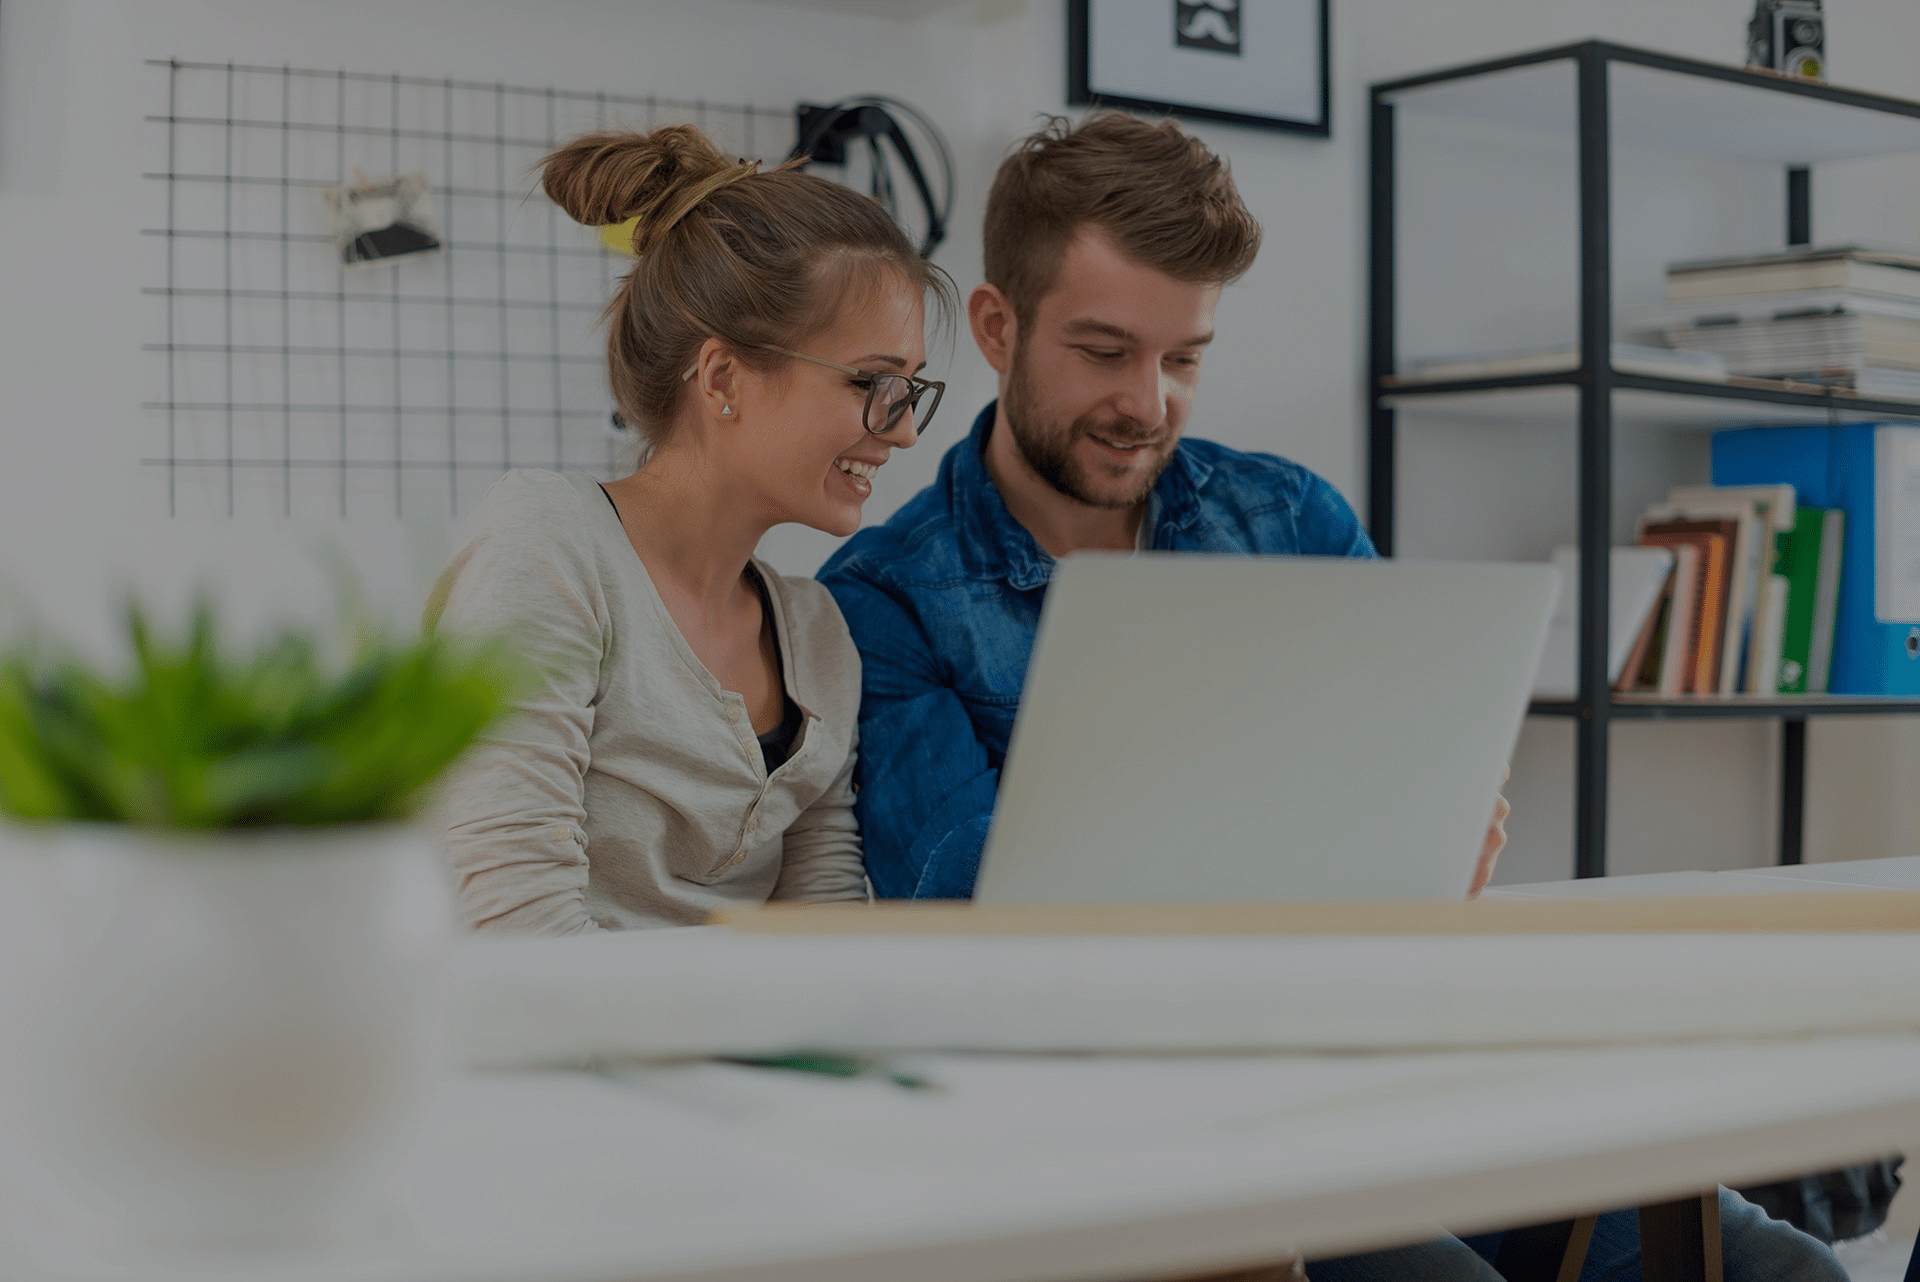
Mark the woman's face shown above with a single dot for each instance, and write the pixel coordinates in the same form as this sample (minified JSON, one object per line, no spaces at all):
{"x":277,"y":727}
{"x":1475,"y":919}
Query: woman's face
{"x":806,"y":443}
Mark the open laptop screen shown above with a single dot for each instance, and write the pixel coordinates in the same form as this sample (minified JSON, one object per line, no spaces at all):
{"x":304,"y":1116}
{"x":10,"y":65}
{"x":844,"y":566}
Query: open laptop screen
{"x":1202,"y":728}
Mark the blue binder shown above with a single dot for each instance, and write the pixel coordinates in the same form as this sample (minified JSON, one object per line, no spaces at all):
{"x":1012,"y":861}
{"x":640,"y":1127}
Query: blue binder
{"x":1833,"y":467}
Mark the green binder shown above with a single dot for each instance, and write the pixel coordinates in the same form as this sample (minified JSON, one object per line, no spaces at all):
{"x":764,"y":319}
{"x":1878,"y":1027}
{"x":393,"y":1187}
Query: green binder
{"x":1810,"y":602}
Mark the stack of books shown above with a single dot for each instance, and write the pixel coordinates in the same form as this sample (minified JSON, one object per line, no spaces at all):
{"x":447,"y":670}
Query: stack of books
{"x":1749,"y":604}
{"x":1844,"y":316}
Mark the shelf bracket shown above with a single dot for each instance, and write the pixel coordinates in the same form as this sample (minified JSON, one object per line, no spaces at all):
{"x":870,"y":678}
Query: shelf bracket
{"x":1382,"y":426}
{"x":1793,"y":788}
{"x":1799,"y":205}
{"x":1595,"y":465}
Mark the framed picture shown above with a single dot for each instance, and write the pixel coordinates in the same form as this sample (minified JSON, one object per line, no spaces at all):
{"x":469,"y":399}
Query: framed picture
{"x":1250,"y":62}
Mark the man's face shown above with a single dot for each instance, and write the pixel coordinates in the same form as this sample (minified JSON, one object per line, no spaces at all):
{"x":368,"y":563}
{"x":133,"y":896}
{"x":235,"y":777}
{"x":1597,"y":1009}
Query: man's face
{"x":1102,"y":378}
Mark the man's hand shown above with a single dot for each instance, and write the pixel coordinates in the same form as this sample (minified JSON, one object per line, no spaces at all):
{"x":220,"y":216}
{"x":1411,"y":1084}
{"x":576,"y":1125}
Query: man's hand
{"x":1495,"y":842}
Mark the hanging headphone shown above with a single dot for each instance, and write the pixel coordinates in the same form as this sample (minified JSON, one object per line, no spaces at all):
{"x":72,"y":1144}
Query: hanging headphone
{"x":825,"y":133}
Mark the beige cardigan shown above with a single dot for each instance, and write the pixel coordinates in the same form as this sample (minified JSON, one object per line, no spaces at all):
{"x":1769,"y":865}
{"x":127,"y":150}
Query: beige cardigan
{"x":628,"y":790}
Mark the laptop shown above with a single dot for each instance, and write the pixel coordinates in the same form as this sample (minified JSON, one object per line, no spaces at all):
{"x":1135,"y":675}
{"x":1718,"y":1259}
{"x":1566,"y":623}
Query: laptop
{"x":1201,"y":728}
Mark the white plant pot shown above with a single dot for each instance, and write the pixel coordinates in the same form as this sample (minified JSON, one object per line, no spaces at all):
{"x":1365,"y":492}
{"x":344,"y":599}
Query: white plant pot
{"x":209,"y":1037}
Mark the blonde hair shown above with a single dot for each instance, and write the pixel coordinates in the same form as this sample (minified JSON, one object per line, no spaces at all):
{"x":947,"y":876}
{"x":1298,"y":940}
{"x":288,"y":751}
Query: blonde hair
{"x":757,"y":260}
{"x":1161,"y":195}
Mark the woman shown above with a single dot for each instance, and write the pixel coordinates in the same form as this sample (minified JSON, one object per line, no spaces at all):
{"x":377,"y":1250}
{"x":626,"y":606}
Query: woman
{"x":690,"y":740}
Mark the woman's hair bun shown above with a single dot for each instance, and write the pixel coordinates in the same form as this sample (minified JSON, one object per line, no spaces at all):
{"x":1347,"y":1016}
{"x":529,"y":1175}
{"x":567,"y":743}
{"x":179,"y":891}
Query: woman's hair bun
{"x":601,"y":179}
{"x":755,"y":265}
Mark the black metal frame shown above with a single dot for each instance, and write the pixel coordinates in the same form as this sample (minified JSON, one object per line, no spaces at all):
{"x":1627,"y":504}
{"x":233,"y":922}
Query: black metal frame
{"x":234,"y":128}
{"x":1081,"y":94}
{"x":1596,"y":707}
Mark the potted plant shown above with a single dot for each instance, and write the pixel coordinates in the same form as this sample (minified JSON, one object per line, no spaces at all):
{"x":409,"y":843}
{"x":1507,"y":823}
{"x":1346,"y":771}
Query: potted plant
{"x":220,"y":925}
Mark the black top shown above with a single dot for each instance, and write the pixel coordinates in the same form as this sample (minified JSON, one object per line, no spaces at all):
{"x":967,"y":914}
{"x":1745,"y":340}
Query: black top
{"x":776,"y":745}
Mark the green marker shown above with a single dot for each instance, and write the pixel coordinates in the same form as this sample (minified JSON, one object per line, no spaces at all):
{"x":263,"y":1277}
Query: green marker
{"x":832,"y":1065}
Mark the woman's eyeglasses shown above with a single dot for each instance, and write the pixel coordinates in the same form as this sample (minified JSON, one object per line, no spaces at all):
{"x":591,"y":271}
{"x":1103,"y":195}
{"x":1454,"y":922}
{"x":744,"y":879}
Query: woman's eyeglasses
{"x":889,"y":396}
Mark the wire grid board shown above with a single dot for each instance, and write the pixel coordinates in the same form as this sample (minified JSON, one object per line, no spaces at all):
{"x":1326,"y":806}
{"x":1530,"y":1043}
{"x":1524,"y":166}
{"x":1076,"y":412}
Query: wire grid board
{"x":294,"y":386}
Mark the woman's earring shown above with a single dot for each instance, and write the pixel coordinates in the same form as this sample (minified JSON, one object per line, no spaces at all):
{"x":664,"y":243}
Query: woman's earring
{"x":726,"y":411}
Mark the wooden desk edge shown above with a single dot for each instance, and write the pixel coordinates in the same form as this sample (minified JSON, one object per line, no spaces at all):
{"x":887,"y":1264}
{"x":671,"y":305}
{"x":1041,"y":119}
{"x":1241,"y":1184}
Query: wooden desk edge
{"x":1815,"y":912}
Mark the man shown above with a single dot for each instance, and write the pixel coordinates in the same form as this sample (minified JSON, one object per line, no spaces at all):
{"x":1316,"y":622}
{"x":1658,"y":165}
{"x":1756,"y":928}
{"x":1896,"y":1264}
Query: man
{"x":1107,"y":245}
{"x":1096,"y":327}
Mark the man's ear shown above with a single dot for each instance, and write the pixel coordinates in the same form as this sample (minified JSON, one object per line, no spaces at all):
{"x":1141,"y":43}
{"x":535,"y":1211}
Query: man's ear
{"x":995,"y":331}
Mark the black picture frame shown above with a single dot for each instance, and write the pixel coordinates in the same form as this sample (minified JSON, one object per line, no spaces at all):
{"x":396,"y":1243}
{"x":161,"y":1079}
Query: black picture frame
{"x":1087,"y":85}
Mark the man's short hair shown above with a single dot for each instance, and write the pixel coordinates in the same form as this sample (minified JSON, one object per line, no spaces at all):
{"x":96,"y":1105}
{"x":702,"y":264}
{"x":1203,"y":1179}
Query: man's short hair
{"x":1159,"y":194}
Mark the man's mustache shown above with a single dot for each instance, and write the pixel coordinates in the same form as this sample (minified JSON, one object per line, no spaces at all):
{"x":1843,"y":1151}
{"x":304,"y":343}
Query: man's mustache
{"x":1119,"y":431}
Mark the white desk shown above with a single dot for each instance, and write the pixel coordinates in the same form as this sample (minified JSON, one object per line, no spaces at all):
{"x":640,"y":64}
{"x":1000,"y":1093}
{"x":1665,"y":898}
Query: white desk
{"x":1061,"y":1169}
{"x":1030,"y":1169}
{"x":1857,"y":874}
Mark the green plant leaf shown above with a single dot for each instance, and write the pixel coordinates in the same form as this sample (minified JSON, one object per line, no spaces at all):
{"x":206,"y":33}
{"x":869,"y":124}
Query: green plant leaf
{"x":194,"y":736}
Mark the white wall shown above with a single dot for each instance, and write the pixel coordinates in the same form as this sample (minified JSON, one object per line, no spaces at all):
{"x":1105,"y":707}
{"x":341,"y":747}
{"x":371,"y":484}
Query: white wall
{"x":80,"y":517}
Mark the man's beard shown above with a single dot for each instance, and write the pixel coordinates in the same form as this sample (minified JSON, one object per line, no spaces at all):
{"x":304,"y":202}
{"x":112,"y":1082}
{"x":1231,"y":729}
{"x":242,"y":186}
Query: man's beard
{"x":1048,"y":447}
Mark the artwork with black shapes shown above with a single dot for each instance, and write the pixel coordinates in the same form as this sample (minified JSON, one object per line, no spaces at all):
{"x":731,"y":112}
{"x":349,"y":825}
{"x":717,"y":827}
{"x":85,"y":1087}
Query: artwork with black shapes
{"x":289,"y":384}
{"x":1263,"y":63}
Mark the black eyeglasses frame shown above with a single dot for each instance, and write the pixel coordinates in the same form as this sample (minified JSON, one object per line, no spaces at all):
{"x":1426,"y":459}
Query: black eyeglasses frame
{"x":910,"y":403}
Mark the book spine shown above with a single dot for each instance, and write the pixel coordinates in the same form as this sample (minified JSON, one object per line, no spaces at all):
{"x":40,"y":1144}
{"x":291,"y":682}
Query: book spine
{"x":1674,"y":666}
{"x":1802,"y":571}
{"x":1734,"y":572}
{"x":1710,"y":616}
{"x":1747,"y":580}
{"x":1767,"y":633}
{"x":1760,"y":671}
{"x":1826,"y":601}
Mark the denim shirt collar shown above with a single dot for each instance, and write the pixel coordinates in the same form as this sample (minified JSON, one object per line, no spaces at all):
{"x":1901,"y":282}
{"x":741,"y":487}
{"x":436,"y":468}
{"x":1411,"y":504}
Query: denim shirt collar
{"x":994,"y":545}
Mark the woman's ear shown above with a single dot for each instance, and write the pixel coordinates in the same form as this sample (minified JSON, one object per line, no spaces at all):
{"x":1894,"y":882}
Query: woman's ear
{"x":716,"y":377}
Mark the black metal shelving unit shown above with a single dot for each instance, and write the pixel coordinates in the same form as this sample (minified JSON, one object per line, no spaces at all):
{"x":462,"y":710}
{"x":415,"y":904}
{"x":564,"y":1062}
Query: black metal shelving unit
{"x":1794,"y":123}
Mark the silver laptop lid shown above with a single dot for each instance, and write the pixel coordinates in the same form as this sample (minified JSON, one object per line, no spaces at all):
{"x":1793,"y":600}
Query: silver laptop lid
{"x":1202,"y":728}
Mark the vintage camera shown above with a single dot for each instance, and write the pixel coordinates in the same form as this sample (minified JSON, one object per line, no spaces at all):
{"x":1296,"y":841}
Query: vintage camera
{"x":1788,"y":36}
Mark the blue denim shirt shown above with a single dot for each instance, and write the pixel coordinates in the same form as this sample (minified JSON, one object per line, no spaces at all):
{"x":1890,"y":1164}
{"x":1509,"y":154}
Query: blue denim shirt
{"x":943,"y":601}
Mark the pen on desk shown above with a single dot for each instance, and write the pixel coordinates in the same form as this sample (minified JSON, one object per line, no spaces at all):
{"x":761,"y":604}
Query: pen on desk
{"x":831,"y":1064}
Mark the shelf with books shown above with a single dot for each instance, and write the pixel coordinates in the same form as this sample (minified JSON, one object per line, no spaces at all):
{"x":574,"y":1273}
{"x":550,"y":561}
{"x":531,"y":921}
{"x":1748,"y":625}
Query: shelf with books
{"x":1629,"y":358}
{"x":1700,"y":707}
{"x":1852,"y":270}
{"x":1840,"y":316}
{"x":1601,"y":97}
{"x":1641,"y":398}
